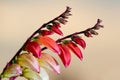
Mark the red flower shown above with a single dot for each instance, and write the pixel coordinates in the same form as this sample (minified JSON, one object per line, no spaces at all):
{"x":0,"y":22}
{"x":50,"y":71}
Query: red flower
{"x":79,"y":41}
{"x":65,"y":54}
{"x":34,"y":48}
{"x":75,"y":49}
{"x":55,"y":28}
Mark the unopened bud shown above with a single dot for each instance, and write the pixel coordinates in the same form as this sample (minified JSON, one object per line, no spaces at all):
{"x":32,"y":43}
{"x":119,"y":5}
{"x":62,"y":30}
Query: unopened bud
{"x":93,"y":32}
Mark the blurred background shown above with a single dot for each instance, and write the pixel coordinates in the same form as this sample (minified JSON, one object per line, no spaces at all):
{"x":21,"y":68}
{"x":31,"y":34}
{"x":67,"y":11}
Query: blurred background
{"x":20,"y":18}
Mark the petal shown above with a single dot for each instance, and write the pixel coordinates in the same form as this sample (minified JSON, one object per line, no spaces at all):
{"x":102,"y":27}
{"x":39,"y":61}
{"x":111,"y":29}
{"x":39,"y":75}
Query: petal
{"x":49,"y":43}
{"x":12,"y":70}
{"x":75,"y":49}
{"x":31,"y":75}
{"x":34,"y":48}
{"x":49,"y":62}
{"x":27,"y":60}
{"x":43,"y":74}
{"x":65,"y":55}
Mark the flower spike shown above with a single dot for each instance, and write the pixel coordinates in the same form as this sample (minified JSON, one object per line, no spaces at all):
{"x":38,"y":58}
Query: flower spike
{"x":31,"y":64}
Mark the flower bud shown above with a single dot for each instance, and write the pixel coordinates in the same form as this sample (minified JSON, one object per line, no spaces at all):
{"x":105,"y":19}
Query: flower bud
{"x":46,"y":32}
{"x":88,"y":34}
{"x":79,"y":41}
{"x":93,"y":32}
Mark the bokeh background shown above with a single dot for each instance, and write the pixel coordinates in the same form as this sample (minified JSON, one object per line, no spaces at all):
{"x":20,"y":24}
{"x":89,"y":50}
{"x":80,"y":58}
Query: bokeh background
{"x":20,"y":18}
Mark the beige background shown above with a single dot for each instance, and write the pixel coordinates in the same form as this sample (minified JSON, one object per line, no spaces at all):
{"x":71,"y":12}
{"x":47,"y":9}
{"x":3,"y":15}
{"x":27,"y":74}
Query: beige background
{"x":19,"y":18}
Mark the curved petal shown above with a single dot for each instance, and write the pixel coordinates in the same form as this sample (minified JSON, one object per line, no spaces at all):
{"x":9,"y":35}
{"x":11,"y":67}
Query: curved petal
{"x":27,"y":60}
{"x":49,"y":43}
{"x":65,"y":55}
{"x":34,"y":48}
{"x":49,"y":62}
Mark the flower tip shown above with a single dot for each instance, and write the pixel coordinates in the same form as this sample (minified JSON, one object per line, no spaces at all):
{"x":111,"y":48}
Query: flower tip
{"x":66,"y":65}
{"x":81,"y":59}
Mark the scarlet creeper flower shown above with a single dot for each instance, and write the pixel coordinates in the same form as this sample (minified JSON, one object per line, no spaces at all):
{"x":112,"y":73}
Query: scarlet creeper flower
{"x":65,"y":54}
{"x":55,"y":28}
{"x":75,"y":49}
{"x":34,"y":48}
{"x":49,"y":62}
{"x":79,"y":41}
{"x":27,"y":60}
{"x":12,"y":71}
{"x":49,"y":43}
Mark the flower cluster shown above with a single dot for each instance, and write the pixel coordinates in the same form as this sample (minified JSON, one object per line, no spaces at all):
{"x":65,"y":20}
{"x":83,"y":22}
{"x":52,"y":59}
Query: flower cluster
{"x":31,"y":60}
